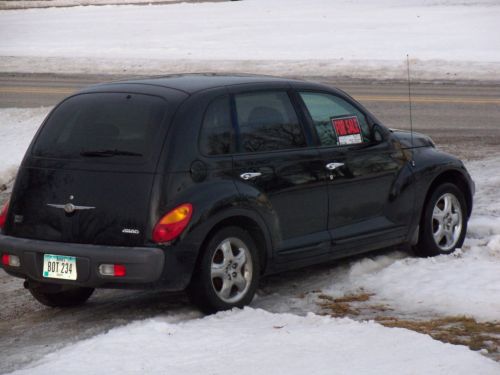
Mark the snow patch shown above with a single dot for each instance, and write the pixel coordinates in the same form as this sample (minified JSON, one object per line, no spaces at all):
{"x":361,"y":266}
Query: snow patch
{"x":362,"y":39}
{"x":17,"y":128}
{"x":253,"y":341}
{"x":22,"y":4}
{"x":494,"y":244}
{"x":466,"y":282}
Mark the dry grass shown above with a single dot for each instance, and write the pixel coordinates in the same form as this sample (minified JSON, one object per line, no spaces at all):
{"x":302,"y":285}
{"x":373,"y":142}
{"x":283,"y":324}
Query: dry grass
{"x":458,"y":330}
{"x":339,"y":307}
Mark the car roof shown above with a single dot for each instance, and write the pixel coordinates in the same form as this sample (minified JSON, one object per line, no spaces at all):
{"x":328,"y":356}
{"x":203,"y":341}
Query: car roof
{"x":194,"y":82}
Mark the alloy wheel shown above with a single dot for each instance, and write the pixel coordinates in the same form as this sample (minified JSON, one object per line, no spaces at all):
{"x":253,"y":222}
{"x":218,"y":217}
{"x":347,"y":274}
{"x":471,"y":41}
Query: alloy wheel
{"x":231,"y":270}
{"x":447,"y":221}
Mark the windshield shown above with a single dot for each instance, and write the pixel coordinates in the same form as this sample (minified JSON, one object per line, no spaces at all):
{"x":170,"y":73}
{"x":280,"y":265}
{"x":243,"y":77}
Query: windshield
{"x":102,"y":125}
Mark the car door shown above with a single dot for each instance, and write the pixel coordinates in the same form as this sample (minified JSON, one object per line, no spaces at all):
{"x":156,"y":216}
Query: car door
{"x":368,"y":174}
{"x":278,"y":174}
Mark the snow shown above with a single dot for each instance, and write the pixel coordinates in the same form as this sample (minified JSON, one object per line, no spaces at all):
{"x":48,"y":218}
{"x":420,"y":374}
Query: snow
{"x":452,"y":39}
{"x":252,"y":341}
{"x":464,"y":283}
{"x":22,"y":4}
{"x":17,"y":128}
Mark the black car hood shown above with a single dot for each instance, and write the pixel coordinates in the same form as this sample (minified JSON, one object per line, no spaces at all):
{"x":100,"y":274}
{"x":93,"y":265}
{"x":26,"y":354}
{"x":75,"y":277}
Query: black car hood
{"x":409,"y":140}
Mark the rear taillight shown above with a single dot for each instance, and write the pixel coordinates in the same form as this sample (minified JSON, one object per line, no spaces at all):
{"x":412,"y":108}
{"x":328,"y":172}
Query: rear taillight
{"x":115,"y":270}
{"x":173,"y":223}
{"x":3,"y":214}
{"x":11,"y":260}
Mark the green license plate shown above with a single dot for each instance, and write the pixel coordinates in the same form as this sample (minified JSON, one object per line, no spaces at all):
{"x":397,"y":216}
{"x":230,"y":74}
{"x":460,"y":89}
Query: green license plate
{"x":59,"y":267}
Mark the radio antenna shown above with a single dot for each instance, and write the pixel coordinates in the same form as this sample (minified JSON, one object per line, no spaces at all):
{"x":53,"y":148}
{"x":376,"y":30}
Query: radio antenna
{"x":410,"y":107}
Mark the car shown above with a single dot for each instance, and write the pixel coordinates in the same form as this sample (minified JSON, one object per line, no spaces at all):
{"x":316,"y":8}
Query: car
{"x":208,"y":182}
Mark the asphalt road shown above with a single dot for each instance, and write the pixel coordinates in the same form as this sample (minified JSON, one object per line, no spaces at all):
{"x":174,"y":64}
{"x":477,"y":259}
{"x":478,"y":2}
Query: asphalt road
{"x":463,"y":118}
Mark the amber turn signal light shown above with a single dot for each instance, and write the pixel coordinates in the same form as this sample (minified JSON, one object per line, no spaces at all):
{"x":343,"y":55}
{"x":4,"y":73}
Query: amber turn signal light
{"x":173,"y":223}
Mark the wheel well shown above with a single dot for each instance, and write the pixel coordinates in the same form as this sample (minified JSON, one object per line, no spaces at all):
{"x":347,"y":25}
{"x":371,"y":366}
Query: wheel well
{"x":247,"y":224}
{"x":458,"y":180}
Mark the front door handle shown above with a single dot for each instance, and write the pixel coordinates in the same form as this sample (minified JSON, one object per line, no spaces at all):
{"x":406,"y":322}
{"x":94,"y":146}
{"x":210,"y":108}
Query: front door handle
{"x":333,"y":166}
{"x":250,"y":175}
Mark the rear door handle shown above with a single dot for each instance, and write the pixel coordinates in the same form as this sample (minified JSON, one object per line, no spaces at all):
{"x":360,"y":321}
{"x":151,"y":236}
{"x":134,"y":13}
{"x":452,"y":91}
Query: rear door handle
{"x":250,"y":175}
{"x":333,"y":166}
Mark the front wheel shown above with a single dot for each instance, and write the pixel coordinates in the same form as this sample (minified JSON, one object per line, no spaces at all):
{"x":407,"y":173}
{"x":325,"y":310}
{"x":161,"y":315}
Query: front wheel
{"x":228,"y":272}
{"x":444,"y":222}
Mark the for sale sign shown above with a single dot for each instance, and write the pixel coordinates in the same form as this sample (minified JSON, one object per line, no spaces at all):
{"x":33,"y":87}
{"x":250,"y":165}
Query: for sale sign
{"x":347,"y":130}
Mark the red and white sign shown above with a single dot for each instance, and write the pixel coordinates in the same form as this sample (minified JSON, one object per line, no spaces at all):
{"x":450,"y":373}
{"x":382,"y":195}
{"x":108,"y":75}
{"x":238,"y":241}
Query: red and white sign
{"x":347,"y":129}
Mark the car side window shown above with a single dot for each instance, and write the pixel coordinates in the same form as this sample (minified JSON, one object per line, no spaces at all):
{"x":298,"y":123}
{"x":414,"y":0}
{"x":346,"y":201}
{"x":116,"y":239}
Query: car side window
{"x":337,"y":122}
{"x":267,"y":121}
{"x":216,"y":130}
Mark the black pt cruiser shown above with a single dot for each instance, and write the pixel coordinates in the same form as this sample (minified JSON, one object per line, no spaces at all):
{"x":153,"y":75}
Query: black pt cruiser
{"x":207,"y":182}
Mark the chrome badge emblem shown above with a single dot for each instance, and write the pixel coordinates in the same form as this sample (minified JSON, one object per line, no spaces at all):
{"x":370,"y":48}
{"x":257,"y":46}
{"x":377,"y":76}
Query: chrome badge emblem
{"x":69,"y":208}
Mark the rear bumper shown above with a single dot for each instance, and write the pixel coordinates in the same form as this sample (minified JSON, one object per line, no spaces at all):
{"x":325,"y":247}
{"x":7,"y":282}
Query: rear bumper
{"x":145,"y":266}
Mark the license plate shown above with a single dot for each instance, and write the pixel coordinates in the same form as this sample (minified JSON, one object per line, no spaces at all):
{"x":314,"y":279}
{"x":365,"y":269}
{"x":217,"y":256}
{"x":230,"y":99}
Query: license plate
{"x":59,"y":267}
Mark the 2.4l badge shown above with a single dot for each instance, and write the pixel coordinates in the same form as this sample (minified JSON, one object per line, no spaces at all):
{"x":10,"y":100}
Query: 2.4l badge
{"x":130,"y":231}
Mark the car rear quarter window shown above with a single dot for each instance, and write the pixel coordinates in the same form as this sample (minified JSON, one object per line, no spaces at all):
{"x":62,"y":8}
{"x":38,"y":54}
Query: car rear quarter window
{"x":267,"y":121}
{"x":325,"y":108}
{"x":102,"y":125}
{"x":216,"y":130}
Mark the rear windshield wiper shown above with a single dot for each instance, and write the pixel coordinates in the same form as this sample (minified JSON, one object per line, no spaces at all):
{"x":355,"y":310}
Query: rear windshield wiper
{"x":108,"y":153}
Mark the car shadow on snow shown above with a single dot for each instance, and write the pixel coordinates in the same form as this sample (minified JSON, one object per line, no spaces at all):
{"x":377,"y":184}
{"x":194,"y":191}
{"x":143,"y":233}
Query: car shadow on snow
{"x":29,"y":330}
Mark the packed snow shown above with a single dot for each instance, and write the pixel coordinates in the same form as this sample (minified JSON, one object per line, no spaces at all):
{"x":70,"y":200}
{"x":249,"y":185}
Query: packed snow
{"x":465,"y":283}
{"x":23,"y":4}
{"x":253,"y":341}
{"x":446,"y":39}
{"x":17,"y":127}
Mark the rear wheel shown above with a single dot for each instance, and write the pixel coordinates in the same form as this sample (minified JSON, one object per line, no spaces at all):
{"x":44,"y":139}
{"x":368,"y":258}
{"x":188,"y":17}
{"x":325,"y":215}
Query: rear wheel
{"x":59,"y":296}
{"x":228,"y":272}
{"x":444,"y":222}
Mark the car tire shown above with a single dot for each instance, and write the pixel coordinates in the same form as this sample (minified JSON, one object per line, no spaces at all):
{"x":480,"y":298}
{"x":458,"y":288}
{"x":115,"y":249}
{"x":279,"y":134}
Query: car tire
{"x":444,"y":222}
{"x":57,"y":296}
{"x":227,"y":273}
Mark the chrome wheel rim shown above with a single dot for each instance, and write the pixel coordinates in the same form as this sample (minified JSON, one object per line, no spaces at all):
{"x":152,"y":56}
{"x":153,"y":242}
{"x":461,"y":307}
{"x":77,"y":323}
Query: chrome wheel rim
{"x":231,"y":270}
{"x":447,"y":222}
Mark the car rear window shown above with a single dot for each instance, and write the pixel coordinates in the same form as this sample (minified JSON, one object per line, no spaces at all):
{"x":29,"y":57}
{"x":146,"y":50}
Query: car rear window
{"x":113,"y":126}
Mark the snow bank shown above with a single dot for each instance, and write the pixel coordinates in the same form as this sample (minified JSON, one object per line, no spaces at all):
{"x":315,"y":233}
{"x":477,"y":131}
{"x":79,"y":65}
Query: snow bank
{"x":254,"y":341}
{"x":446,"y":39}
{"x":464,"y":283}
{"x":17,"y":127}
